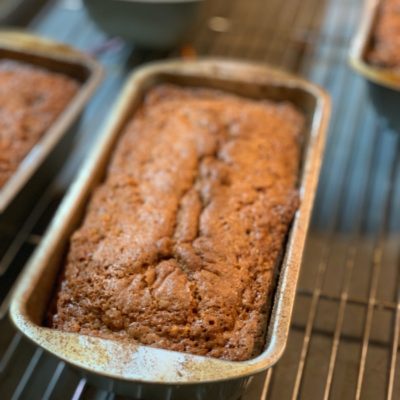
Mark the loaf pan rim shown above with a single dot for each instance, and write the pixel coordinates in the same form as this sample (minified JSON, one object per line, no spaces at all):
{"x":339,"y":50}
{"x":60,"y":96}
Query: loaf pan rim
{"x":193,"y":369}
{"x":29,"y":44}
{"x":382,"y":76}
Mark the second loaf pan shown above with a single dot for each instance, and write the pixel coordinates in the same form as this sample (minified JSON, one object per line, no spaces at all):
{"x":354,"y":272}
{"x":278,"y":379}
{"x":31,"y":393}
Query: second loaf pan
{"x":56,"y":57}
{"x":155,"y":373}
{"x":383,"y":83}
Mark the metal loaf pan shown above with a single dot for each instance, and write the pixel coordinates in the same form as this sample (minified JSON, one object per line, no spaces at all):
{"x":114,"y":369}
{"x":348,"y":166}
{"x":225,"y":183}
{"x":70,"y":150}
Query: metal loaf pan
{"x":143,"y":371}
{"x":56,"y":57}
{"x":383,"y":83}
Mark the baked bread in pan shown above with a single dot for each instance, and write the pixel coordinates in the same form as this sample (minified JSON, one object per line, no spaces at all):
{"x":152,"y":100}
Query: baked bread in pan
{"x":180,"y":243}
{"x":31,"y":98}
{"x":385,"y":46}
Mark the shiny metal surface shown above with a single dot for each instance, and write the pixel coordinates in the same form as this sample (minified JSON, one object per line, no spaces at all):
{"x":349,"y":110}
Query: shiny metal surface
{"x":127,"y":367}
{"x":29,"y":48}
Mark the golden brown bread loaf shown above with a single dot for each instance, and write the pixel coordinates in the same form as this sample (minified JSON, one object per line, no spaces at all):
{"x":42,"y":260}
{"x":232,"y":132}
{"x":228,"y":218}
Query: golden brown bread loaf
{"x":180,"y":243}
{"x":385,"y":49}
{"x":31,"y":98}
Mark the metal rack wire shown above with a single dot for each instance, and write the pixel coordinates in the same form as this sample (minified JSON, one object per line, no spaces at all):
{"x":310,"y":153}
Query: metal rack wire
{"x":344,"y":340}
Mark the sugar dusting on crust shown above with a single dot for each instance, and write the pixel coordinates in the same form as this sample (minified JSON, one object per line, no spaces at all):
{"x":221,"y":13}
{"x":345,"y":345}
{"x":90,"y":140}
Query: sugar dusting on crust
{"x":31,"y":98}
{"x":179,"y":243}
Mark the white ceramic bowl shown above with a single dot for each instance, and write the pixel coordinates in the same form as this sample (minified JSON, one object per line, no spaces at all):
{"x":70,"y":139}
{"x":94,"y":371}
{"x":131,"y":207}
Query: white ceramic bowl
{"x":153,"y":24}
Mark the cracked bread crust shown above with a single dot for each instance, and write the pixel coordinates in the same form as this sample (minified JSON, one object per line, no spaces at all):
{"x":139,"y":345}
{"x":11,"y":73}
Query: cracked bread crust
{"x":385,"y":51}
{"x":179,"y":245}
{"x":31,"y":98}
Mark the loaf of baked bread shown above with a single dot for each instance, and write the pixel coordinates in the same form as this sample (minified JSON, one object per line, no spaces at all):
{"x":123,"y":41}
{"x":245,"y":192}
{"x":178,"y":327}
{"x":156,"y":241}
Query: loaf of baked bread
{"x":31,"y":98}
{"x":181,"y":242}
{"x":385,"y":46}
